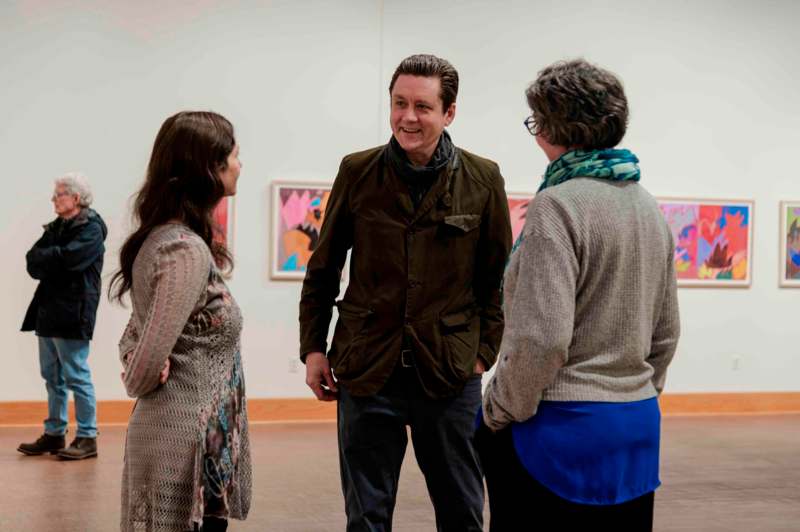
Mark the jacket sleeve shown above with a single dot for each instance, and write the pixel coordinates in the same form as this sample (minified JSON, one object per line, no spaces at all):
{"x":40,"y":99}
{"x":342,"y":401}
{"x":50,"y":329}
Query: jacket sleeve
{"x":492,"y":252}
{"x":539,"y":325}
{"x":34,"y":262}
{"x":324,"y":271}
{"x":76,"y":256}
{"x":180,"y":277}
{"x":667,"y":329}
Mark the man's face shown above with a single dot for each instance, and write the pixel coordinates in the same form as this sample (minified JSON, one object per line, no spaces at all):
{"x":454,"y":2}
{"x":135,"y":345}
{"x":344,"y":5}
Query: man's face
{"x":65,"y":204}
{"x":417,"y":116}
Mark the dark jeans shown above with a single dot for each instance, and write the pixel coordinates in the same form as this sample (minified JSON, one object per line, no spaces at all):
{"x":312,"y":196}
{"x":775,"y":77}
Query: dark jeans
{"x":212,"y":524}
{"x":372,"y":444}
{"x":517,"y":502}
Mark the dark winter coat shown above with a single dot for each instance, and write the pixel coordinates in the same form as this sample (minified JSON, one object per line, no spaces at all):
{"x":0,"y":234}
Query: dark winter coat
{"x":427,"y":280}
{"x":67,"y":260}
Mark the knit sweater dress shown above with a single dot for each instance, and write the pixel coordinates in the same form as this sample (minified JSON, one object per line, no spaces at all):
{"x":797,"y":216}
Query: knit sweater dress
{"x":187,"y":452}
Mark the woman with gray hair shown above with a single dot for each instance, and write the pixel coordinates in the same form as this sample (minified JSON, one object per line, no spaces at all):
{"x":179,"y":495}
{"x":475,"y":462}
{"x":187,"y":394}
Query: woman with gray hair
{"x":571,"y":423}
{"x":67,"y":261}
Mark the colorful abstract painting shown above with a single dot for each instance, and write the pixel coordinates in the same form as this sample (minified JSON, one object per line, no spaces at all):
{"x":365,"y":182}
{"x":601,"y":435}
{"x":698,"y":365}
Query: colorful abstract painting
{"x":713,"y":241}
{"x":790,"y":243}
{"x":517,"y":208}
{"x":223,"y":222}
{"x":298,"y":210}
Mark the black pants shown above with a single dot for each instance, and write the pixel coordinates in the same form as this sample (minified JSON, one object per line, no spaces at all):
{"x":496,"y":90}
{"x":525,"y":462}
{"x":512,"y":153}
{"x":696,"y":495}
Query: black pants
{"x":212,"y":524}
{"x":517,"y":502}
{"x":372,"y":444}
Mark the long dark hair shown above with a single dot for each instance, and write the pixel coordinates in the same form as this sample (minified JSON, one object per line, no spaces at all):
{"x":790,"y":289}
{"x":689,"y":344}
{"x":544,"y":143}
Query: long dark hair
{"x":182,"y":184}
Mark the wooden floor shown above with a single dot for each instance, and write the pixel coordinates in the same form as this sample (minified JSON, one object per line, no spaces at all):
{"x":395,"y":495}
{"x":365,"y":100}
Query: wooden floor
{"x":726,"y":473}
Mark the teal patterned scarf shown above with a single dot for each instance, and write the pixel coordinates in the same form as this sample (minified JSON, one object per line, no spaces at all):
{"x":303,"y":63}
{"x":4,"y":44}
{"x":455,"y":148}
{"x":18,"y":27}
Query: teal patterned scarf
{"x":611,"y":164}
{"x":614,"y":165}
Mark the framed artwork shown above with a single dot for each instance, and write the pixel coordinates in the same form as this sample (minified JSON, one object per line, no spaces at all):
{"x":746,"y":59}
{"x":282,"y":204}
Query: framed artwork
{"x":713,"y":240}
{"x":298,"y":210}
{"x":790,"y":244}
{"x":224,"y":220}
{"x":517,"y":208}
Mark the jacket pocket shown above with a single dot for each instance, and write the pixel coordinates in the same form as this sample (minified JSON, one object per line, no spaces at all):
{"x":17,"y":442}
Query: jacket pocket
{"x":456,"y":246}
{"x":464,"y":222}
{"x":460,"y":340}
{"x":348,"y":336}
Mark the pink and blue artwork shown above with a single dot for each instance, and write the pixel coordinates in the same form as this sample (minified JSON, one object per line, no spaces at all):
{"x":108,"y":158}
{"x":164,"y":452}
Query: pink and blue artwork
{"x":517,"y":209}
{"x":713,"y":240}
{"x":298,"y":210}
{"x":790,"y":243}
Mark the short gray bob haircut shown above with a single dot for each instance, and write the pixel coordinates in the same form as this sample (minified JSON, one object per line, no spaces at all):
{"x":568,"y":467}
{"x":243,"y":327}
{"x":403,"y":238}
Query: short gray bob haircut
{"x":77,"y":183}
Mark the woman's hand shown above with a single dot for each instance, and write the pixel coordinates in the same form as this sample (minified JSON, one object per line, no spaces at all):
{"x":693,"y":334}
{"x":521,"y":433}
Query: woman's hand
{"x":164,"y":375}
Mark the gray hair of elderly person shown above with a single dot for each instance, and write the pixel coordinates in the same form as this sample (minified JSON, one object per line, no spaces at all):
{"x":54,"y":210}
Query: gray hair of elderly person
{"x":76,"y":183}
{"x":578,"y":104}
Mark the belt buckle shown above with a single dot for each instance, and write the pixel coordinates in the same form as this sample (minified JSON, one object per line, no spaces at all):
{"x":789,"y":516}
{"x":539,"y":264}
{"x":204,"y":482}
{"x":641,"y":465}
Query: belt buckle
{"x":407,"y":358}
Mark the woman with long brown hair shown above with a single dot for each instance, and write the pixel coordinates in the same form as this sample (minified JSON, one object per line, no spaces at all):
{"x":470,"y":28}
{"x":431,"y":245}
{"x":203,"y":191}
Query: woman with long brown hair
{"x":187,"y":454}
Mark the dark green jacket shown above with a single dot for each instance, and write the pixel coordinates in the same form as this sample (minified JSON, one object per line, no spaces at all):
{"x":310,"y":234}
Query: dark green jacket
{"x":67,"y":260}
{"x":427,"y":279}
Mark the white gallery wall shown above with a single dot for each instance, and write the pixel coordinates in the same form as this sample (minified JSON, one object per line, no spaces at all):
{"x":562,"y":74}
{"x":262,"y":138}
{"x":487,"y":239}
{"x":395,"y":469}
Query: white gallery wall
{"x":86,"y":84}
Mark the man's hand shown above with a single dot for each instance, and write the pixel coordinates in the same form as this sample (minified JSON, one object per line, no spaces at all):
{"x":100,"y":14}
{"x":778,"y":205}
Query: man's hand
{"x":319,"y":377}
{"x":479,"y":367}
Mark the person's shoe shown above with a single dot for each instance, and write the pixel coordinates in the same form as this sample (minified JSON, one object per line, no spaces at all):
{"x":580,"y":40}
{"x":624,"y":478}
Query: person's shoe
{"x":46,"y":443}
{"x":79,"y":449}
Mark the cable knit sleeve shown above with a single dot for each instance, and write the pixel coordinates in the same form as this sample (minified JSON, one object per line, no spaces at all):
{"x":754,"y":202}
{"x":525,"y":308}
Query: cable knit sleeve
{"x":179,"y":279}
{"x":130,"y":337}
{"x":540,"y":311}
{"x":668,"y":327}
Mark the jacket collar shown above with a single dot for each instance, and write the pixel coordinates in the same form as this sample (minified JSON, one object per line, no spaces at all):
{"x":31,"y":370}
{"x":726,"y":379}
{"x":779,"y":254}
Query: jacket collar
{"x":80,"y":219}
{"x":439,"y":191}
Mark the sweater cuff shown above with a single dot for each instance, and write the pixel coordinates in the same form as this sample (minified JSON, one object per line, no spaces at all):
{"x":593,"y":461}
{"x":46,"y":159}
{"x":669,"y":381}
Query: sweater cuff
{"x":488,"y":415}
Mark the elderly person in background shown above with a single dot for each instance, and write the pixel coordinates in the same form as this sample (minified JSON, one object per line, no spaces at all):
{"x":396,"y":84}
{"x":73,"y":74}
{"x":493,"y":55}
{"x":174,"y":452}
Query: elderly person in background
{"x":571,"y":419}
{"x":67,"y":261}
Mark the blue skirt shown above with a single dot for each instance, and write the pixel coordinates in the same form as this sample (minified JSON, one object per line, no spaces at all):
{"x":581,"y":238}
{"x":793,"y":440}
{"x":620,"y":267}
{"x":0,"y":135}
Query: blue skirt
{"x":590,"y":452}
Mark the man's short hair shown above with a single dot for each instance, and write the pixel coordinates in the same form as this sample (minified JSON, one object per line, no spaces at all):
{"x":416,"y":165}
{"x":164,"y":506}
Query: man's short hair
{"x":430,"y":66}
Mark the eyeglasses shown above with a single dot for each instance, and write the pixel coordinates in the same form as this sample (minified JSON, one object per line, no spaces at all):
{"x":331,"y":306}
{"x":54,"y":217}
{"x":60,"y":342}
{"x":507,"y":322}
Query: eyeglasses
{"x":57,"y":195}
{"x":530,"y":125}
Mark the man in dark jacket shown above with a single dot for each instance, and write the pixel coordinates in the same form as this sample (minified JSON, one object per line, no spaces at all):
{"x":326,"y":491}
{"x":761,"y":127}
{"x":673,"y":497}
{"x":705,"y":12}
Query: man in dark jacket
{"x":67,"y":260}
{"x":428,"y":228}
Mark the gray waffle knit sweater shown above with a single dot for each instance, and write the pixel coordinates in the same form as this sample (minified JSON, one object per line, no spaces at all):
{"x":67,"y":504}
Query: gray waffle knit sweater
{"x":590,"y":302}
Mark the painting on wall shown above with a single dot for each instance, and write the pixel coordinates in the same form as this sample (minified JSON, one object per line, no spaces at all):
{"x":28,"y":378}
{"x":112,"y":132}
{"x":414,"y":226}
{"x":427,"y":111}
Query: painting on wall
{"x":790,"y":244}
{"x":298,"y":210}
{"x":517,"y":208}
{"x":713,"y":240}
{"x":224,"y":222}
